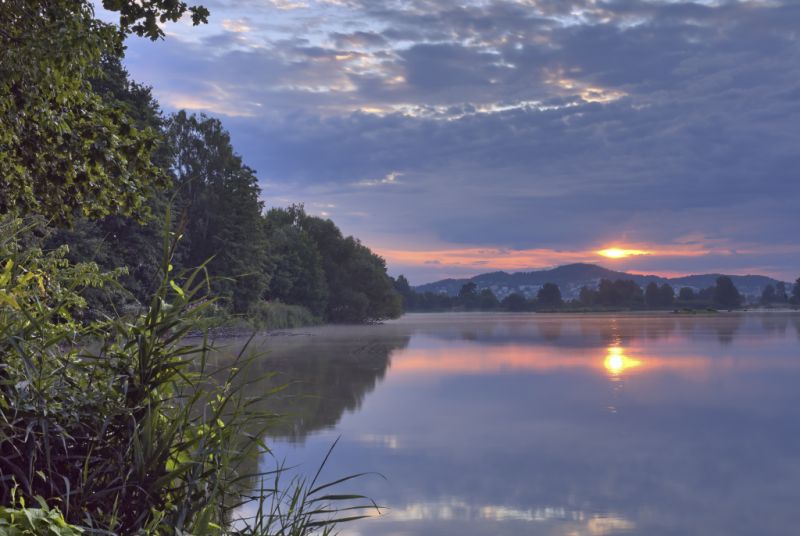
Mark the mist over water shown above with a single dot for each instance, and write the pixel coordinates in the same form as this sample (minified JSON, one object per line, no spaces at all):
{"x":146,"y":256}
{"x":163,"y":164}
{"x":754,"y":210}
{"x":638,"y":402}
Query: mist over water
{"x":495,"y":424}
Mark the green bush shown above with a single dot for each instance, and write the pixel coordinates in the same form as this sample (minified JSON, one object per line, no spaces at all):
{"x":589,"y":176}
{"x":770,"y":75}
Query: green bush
{"x":22,"y":521}
{"x":121,"y":425}
{"x":277,"y":315}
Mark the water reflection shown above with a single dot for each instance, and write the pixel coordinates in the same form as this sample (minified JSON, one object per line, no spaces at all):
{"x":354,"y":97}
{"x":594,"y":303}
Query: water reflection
{"x":555,"y":425}
{"x":616,"y":362}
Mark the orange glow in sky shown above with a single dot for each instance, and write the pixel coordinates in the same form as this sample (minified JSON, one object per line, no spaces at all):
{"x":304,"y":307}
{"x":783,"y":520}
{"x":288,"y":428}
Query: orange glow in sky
{"x":620,"y":253}
{"x":490,"y":259}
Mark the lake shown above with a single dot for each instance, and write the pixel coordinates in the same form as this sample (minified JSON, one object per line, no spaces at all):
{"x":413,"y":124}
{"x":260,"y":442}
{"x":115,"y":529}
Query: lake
{"x":508,"y":424}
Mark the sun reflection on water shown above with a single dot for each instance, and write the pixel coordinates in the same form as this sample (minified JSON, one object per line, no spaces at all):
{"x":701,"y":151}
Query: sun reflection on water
{"x":617,"y":362}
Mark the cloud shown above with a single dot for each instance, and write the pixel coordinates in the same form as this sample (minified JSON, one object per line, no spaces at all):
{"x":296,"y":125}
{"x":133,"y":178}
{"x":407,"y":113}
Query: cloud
{"x":390,"y":178}
{"x":525,"y":125}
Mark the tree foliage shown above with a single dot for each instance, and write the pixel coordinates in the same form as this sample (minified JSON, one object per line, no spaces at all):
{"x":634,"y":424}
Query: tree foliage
{"x":67,"y":150}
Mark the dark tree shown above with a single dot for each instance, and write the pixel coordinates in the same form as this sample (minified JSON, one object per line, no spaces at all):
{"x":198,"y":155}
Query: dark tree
{"x":549,"y":295}
{"x":796,"y":292}
{"x":515,"y":302}
{"x":666,"y":295}
{"x":652,"y":297}
{"x":769,"y":295}
{"x":587,"y":296}
{"x":686,"y":294}
{"x":487,"y":301}
{"x":468,"y":295}
{"x":726,"y":295}
{"x":780,"y":292}
{"x":468,"y":291}
{"x":218,"y":198}
{"x":408,"y":295}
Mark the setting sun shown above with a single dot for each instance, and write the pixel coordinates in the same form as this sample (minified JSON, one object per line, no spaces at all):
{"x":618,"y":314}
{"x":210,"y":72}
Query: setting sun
{"x":619,"y":253}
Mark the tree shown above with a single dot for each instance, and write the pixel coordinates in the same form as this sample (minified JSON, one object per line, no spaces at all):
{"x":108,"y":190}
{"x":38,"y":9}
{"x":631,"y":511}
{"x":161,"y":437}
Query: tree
{"x":402,"y":286}
{"x":666,"y":295}
{"x":686,"y":294}
{"x":726,"y":295}
{"x":549,"y":295}
{"x":359,"y":289}
{"x":587,"y":297}
{"x":218,"y":198}
{"x":468,"y":295}
{"x":487,"y":301}
{"x":795,"y":299}
{"x":652,"y":297}
{"x":515,"y":302}
{"x":769,"y":295}
{"x":619,"y":293}
{"x":65,"y":149}
{"x":780,"y":291}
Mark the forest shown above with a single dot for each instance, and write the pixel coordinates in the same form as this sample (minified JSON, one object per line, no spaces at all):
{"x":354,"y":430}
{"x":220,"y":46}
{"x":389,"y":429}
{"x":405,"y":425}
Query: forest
{"x":261,"y":262}
{"x":616,"y":295}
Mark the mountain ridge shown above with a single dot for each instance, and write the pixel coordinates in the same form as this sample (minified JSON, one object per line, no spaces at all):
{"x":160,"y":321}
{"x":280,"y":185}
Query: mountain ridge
{"x":571,"y":277}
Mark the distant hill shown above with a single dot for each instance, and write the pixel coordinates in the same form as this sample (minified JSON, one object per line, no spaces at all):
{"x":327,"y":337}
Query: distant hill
{"x":571,"y":277}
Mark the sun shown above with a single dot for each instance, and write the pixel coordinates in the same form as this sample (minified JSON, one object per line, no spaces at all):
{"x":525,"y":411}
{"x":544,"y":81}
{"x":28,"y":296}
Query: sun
{"x":619,"y":253}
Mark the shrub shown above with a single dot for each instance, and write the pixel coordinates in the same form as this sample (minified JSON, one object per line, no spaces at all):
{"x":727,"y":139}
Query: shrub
{"x":120,"y":424}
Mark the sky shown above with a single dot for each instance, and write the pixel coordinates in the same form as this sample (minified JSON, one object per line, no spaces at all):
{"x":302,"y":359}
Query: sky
{"x":457,"y":138}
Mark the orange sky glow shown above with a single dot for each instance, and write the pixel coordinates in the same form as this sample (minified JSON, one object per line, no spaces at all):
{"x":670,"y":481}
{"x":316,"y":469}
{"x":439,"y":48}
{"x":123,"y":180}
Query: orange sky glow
{"x":489,"y":259}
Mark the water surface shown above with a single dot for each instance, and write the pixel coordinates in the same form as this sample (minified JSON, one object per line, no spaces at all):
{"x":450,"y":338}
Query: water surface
{"x":501,"y":424}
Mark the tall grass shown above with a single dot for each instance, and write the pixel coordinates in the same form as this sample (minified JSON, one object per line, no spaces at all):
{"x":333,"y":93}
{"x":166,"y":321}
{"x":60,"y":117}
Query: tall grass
{"x":121,"y":425}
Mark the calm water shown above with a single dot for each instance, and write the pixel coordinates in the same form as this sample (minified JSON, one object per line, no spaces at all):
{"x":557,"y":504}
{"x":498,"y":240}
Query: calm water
{"x":552,"y":424}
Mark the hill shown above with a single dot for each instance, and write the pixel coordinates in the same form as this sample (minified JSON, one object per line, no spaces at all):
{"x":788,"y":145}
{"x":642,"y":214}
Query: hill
{"x":571,"y":277}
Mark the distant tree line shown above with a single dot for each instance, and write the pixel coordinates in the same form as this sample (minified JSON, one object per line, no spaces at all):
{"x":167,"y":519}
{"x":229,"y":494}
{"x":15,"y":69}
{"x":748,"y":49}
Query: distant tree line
{"x":608,"y":295}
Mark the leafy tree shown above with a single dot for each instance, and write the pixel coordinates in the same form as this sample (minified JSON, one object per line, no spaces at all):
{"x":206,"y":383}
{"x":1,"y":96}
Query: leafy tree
{"x":587,"y":297}
{"x":666,"y":295}
{"x":780,"y":292}
{"x":65,"y":149}
{"x":218,"y":197}
{"x":652,"y":297}
{"x":359,"y":288}
{"x":726,"y":295}
{"x":408,"y":295}
{"x":769,"y":295}
{"x":549,"y":295}
{"x":686,"y":294}
{"x":622,"y":292}
{"x":515,"y":302}
{"x":297,"y":276}
{"x":487,"y":301}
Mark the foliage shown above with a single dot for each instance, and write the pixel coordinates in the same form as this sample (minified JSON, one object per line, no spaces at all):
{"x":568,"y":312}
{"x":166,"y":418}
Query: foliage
{"x":549,"y":295}
{"x":265,"y":315}
{"x":515,"y":302}
{"x":23,"y":521}
{"x":725,"y":293}
{"x":218,"y":198}
{"x":795,"y":299}
{"x":356,"y":287}
{"x":656,"y":296}
{"x":66,"y":150}
{"x":132,"y":433}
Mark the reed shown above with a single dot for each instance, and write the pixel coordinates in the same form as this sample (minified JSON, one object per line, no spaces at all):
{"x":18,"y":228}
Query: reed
{"x":121,"y":425}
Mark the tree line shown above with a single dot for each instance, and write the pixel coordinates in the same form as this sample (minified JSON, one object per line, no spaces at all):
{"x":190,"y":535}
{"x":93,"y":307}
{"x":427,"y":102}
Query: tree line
{"x":254,"y":257}
{"x":616,"y":294}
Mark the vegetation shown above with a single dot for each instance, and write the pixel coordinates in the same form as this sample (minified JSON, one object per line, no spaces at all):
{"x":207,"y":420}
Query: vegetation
{"x":111,"y":421}
{"x":119,"y":424}
{"x":620,"y":294}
